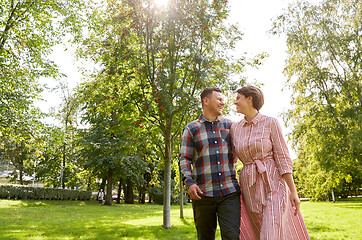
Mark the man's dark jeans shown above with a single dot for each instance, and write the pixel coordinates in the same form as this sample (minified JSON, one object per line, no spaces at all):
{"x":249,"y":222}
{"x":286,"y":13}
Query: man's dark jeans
{"x":226,"y":209}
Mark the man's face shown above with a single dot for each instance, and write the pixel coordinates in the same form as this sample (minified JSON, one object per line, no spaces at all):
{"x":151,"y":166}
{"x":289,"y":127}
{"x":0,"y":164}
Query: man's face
{"x":215,"y":103}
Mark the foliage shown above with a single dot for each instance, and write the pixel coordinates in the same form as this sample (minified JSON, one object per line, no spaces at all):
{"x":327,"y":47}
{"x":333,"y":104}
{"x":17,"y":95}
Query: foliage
{"x":69,"y":120}
{"x":24,"y":192}
{"x":111,"y":146}
{"x":152,"y":62}
{"x":49,"y":155}
{"x":157,"y":193}
{"x":19,"y":143}
{"x":162,"y":57}
{"x":324,"y":71}
{"x":28,"y":30}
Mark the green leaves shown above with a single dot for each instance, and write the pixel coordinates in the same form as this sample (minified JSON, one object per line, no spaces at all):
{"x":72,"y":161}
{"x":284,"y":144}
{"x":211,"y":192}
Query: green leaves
{"x":28,"y":30}
{"x":323,"y":70}
{"x":154,"y":62}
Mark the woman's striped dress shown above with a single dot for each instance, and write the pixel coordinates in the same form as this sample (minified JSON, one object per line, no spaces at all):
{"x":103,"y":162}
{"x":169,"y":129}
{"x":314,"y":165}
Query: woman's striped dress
{"x":260,"y":145}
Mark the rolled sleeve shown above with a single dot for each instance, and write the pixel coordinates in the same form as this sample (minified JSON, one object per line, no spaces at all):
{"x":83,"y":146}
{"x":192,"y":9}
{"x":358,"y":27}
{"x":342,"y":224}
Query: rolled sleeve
{"x":280,"y":149}
{"x":186,"y":157}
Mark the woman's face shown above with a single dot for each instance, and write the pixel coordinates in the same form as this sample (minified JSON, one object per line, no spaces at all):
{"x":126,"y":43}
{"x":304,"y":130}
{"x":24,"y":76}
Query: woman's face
{"x":242,"y":103}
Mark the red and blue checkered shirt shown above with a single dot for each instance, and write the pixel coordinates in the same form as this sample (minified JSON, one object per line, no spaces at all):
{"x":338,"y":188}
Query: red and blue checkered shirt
{"x":206,"y":157}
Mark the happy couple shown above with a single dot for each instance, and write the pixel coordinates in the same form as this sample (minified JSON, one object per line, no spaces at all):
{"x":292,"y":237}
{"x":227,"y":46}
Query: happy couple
{"x":264,"y":204}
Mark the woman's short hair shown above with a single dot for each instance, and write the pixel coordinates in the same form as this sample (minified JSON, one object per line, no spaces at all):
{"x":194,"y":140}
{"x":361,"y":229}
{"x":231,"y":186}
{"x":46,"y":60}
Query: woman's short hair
{"x":256,"y":94}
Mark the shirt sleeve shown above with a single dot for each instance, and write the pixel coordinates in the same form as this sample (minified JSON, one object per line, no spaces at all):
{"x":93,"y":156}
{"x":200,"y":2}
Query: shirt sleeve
{"x":280,"y":150}
{"x":186,"y":157}
{"x":234,"y":155}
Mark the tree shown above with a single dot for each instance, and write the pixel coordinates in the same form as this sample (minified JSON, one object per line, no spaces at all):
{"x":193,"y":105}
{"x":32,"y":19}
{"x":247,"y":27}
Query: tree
{"x":324,"y":71}
{"x":49,"y":165}
{"x":68,"y":116}
{"x":28,"y":30}
{"x":174,"y":52}
{"x":21,"y":140}
{"x":163,"y":56}
{"x":110,"y":145}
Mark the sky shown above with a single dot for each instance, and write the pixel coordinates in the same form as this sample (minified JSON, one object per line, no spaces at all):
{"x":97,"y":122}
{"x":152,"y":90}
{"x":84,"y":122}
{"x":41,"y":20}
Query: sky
{"x":255,"y":20}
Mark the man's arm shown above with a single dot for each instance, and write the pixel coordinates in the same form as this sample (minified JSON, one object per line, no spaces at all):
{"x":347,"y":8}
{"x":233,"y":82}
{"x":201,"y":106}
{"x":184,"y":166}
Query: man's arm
{"x":186,"y":161}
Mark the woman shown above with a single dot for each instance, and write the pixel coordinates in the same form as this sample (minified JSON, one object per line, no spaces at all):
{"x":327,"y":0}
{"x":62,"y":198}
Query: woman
{"x":100,"y":196}
{"x":266,"y":180}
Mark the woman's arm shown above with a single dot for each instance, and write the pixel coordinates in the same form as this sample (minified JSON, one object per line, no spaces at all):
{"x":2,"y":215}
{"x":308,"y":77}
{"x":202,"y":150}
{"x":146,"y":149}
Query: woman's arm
{"x":283,"y":162}
{"x":288,"y":177}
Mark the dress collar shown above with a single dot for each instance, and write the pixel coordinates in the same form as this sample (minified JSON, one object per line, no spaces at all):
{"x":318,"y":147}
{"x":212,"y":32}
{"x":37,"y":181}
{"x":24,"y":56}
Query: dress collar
{"x":254,"y":121}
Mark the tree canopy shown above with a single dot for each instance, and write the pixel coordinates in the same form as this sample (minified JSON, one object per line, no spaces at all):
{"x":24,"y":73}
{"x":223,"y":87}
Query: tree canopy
{"x":324,"y":70}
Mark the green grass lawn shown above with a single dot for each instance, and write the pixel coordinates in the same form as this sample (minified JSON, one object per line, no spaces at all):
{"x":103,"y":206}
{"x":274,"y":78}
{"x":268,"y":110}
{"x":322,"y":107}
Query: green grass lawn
{"x":32,"y":219}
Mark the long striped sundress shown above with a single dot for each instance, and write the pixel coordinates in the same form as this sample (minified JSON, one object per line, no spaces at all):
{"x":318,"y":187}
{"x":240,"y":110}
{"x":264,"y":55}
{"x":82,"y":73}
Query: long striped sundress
{"x":267,"y":213}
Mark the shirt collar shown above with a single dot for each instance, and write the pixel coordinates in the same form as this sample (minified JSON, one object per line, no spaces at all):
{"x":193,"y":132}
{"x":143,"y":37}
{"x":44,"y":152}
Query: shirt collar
{"x":254,"y":121}
{"x":203,"y":120}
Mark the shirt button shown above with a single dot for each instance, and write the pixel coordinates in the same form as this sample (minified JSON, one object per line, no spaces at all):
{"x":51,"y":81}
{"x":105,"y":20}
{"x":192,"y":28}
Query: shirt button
{"x":217,"y":151}
{"x":221,"y":185}
{"x":219,"y":173}
{"x":214,"y":132}
{"x":218,"y":162}
{"x":215,"y":141}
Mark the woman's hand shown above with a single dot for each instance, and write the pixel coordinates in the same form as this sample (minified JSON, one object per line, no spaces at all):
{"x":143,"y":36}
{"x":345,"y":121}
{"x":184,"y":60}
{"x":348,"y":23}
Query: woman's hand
{"x":294,"y":199}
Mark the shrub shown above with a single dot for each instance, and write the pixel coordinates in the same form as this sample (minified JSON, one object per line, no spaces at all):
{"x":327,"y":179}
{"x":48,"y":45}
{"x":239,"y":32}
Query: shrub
{"x":25,"y":192}
{"x":157,"y":193}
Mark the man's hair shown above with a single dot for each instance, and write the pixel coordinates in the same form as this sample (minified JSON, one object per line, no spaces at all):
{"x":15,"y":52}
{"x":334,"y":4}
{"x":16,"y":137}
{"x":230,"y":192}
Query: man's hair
{"x":207,"y":92}
{"x":255,"y":93}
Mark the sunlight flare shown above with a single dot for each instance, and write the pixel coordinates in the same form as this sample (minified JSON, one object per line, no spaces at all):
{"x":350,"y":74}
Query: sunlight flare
{"x":161,"y":3}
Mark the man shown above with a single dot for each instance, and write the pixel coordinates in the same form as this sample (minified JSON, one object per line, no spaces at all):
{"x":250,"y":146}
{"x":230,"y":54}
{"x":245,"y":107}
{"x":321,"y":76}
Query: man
{"x":207,"y":168}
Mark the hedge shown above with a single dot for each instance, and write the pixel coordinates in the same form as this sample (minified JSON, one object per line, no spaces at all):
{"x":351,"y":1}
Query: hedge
{"x":25,"y":192}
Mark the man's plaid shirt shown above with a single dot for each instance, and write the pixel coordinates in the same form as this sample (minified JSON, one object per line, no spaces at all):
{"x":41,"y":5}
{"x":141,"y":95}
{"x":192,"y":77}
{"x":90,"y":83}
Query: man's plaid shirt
{"x":206,"y":157}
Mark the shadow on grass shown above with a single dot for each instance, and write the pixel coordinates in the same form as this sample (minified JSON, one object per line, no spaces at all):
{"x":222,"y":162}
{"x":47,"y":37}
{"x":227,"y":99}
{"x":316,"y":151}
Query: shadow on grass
{"x":320,"y":228}
{"x":34,"y":219}
{"x":145,"y":232}
{"x":185,"y":222}
{"x":317,"y":230}
{"x":355,"y":207}
{"x":116,"y":231}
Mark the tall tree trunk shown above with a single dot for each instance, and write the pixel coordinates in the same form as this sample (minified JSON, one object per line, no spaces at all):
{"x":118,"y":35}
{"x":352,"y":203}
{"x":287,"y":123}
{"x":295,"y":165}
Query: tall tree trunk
{"x":88,"y":184}
{"x":142,"y":196}
{"x":109,"y":188}
{"x":142,"y":192}
{"x":124,"y":186}
{"x":21,"y":169}
{"x":181,"y":197}
{"x":333,"y":198}
{"x":129,"y":192}
{"x":167,"y":187}
{"x":63,"y":166}
{"x":147,"y":177}
{"x":119,"y":191}
{"x":21,"y":162}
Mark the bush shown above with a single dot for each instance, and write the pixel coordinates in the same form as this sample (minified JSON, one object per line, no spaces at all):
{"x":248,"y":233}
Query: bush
{"x":25,"y":192}
{"x":157,"y":193}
